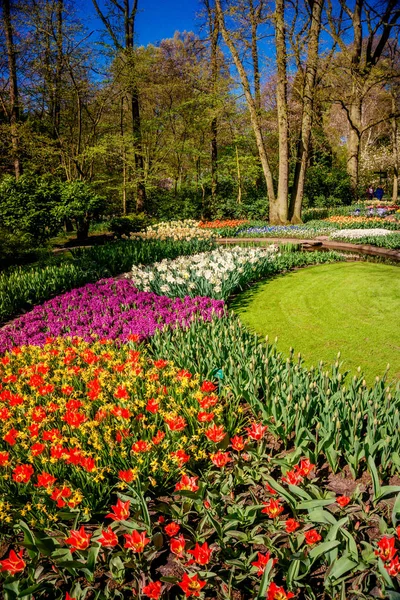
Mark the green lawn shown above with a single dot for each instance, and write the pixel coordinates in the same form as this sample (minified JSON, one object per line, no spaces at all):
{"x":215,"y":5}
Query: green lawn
{"x":351,"y":307}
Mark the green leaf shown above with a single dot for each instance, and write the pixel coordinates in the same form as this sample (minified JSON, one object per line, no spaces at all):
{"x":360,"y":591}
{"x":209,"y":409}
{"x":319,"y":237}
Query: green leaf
{"x":375,"y":478}
{"x":340,"y":567}
{"x":92,"y":557}
{"x":266,"y":578}
{"x":310,"y":504}
{"x":396,"y":511}
{"x":323,"y":548}
{"x":322,"y":516}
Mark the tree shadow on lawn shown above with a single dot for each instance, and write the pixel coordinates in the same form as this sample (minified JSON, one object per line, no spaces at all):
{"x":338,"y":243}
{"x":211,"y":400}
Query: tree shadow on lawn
{"x":242,"y":298}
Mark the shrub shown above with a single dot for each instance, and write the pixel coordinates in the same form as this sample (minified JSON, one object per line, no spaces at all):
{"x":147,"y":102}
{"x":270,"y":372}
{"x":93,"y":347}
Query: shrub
{"x":27,"y":206}
{"x":124,"y":226}
{"x":327,"y":187}
{"x":79,"y":204}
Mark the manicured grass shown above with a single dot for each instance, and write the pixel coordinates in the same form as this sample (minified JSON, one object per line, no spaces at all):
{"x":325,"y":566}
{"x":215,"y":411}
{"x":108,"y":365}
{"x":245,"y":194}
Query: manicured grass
{"x":351,"y":307}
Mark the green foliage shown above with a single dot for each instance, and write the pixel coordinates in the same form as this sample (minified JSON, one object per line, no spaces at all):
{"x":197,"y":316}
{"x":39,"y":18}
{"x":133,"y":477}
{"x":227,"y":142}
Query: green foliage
{"x":326,"y":187}
{"x":315,"y":411}
{"x":80,"y":204}
{"x":123,"y":226}
{"x":16,"y":248}
{"x":21,"y":289}
{"x":27,"y":206}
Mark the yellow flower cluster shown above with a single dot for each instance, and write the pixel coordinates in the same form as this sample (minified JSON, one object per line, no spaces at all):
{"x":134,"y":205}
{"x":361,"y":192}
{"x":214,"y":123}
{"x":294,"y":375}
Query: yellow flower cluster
{"x":77,"y":419}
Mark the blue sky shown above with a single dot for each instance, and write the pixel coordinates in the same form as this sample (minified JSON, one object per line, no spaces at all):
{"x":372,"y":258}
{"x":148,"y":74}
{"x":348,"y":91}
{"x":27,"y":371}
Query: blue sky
{"x":157,"y":19}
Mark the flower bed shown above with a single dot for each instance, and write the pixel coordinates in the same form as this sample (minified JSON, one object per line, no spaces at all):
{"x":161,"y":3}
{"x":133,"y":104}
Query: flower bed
{"x":22,"y":288}
{"x":175,"y":230}
{"x":310,"y":230}
{"x":131,"y":476}
{"x":220,"y":273}
{"x":222,"y":224}
{"x":64,"y":404}
{"x":355,"y":234}
{"x":107,"y":309}
{"x":354,"y":222}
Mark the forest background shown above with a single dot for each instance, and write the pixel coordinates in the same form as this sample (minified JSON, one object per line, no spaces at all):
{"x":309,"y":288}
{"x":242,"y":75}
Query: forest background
{"x":264,"y":109}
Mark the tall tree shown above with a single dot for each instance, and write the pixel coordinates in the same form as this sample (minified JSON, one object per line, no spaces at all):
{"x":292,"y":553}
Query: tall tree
{"x":307,"y":117}
{"x":14,"y":107}
{"x":213,"y":33}
{"x":282,"y":109}
{"x":360,"y":60}
{"x":125,"y":13}
{"x":229,"y":40}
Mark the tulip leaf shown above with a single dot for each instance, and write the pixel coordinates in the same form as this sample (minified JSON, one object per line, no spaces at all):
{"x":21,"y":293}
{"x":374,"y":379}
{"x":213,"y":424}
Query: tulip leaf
{"x":340,"y":567}
{"x":323,"y":548}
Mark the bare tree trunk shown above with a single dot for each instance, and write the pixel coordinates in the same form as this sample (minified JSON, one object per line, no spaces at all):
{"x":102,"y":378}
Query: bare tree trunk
{"x":283,"y":125}
{"x":254,"y":116}
{"x":354,"y":142}
{"x":303,"y":147}
{"x":395,"y":144}
{"x":239,"y":178}
{"x":59,"y":64}
{"x":14,"y":97}
{"x":213,"y":28}
{"x":126,"y":15}
{"x":124,"y":169}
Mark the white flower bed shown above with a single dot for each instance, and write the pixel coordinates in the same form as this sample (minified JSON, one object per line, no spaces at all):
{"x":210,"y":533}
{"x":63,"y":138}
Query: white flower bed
{"x":215,"y":274}
{"x":356,"y":234}
{"x":175,"y":230}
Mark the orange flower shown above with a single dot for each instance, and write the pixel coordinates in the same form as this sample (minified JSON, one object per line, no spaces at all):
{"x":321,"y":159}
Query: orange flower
{"x":273,"y":508}
{"x":152,"y":590}
{"x":393,"y":568}
{"x":59,"y":494}
{"x":256,"y":431}
{"x":79,"y":539}
{"x":172,"y":529}
{"x":45,"y":480}
{"x":176,"y":424}
{"x":238,"y":443}
{"x":14,"y":563}
{"x":205,"y":417}
{"x":291,"y":525}
{"x":191,"y":586}
{"x":4,"y":456}
{"x":343,"y":501}
{"x":187,"y":483}
{"x":121,"y":393}
{"x":278,"y":593}
{"x":126,"y":476}
{"x":386,"y":548}
{"x":208,"y":386}
{"x":158,"y":438}
{"x":261,"y":562}
{"x":108,"y":539}
{"x":220,"y":459}
{"x":141,"y":446}
{"x":201,"y":554}
{"x":120,"y":511}
{"x":136,"y":541}
{"x":181,"y":457}
{"x":152,"y":406}
{"x":312,"y":536}
{"x":22,"y":473}
{"x":216,"y":433}
{"x":177,"y":545}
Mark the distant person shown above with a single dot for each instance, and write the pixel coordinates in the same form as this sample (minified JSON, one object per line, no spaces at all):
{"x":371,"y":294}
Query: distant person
{"x":379,"y":192}
{"x":370,"y":192}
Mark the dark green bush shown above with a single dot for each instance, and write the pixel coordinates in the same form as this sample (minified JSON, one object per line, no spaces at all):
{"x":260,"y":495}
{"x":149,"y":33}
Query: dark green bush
{"x":79,"y":203}
{"x":27,"y":207}
{"x":129,"y":224}
{"x":326,"y":187}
